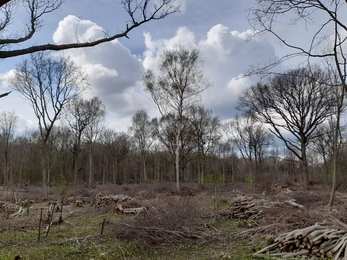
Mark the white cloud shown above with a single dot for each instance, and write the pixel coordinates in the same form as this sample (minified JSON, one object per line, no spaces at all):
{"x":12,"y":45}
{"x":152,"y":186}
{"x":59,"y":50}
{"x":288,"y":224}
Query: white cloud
{"x":113,"y":71}
{"x":4,"y":78}
{"x":71,"y":28}
{"x":154,"y":48}
{"x":226,"y":55}
{"x":219,"y":31}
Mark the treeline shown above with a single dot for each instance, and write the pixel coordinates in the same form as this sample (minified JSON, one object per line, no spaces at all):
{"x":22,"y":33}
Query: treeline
{"x":117,"y":158}
{"x":289,"y":129}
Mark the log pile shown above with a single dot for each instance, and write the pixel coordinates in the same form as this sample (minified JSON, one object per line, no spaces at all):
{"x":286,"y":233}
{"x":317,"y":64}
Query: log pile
{"x":244,"y":208}
{"x":314,"y":241}
{"x":110,"y":200}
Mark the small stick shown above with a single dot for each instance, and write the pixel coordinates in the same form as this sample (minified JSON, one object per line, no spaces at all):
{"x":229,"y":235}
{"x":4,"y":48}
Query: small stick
{"x":102,"y":226}
{"x":38,"y":237}
{"x":50,"y":219}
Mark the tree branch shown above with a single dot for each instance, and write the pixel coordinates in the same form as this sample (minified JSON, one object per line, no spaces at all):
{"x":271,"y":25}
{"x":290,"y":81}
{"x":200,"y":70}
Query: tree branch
{"x":37,"y":9}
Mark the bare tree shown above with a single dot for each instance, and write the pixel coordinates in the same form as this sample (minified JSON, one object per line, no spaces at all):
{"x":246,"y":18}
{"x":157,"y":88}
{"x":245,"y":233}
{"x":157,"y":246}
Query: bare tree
{"x":117,"y":146}
{"x":205,"y":130}
{"x":325,"y":23}
{"x":143,"y":130}
{"x":326,"y":29}
{"x":48,"y":85}
{"x":297,"y":103}
{"x":177,"y":89}
{"x":330,"y":138}
{"x":79,"y":115}
{"x":93,"y":132}
{"x":252,"y":141}
{"x":12,"y":38}
{"x":8,"y":121}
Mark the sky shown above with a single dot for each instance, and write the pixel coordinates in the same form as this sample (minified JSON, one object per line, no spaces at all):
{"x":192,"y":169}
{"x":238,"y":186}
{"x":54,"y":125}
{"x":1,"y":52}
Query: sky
{"x":219,"y":30}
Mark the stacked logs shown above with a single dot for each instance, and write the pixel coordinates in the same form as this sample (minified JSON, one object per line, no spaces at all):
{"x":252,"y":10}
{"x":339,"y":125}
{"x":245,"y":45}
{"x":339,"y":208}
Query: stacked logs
{"x":243,"y":208}
{"x":109,"y":200}
{"x":317,"y":241}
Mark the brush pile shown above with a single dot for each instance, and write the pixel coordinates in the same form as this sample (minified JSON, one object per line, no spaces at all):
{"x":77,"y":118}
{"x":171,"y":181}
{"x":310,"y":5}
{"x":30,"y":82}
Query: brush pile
{"x":315,"y":241}
{"x":244,"y":207}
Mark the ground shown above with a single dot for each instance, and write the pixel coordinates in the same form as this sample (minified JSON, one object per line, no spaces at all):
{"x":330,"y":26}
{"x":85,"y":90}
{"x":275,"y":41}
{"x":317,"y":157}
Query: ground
{"x":200,"y":222}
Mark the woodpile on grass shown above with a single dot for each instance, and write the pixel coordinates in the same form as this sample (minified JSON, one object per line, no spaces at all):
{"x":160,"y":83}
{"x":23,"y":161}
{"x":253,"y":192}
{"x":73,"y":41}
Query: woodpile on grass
{"x":301,"y":237}
{"x":314,"y":241}
{"x":110,"y":200}
{"x":244,"y":207}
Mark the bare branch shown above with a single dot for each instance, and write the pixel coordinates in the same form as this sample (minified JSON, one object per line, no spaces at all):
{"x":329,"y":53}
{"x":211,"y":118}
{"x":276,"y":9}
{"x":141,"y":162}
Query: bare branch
{"x":140,"y":12}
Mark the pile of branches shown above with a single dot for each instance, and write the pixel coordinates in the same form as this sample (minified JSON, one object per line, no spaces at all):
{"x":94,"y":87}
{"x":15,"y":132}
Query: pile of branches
{"x":172,"y":222}
{"x":110,"y":200}
{"x":244,"y":207}
{"x":154,"y":236}
{"x":315,"y":241}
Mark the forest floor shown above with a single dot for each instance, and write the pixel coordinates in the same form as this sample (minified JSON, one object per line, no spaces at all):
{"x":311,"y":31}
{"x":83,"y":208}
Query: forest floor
{"x":200,"y":222}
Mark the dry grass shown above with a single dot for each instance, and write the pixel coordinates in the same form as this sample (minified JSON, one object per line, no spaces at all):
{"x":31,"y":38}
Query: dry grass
{"x":186,"y":221}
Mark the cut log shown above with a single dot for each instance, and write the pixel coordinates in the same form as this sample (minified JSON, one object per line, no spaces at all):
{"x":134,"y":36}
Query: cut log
{"x":135,"y":210}
{"x":294,"y":204}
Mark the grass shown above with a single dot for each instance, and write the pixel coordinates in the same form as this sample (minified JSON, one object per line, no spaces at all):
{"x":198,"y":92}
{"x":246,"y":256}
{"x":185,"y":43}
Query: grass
{"x":78,"y":237}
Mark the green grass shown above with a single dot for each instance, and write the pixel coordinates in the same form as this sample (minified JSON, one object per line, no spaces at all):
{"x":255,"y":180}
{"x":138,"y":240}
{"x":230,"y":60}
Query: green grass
{"x":78,"y":237}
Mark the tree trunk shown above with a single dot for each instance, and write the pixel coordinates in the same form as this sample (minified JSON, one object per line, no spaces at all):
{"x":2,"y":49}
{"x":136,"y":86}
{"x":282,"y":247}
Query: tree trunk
{"x":335,"y":155}
{"x":44,"y":179}
{"x":75,"y":167}
{"x":144,"y":170}
{"x":114,"y":171}
{"x":177,"y":159}
{"x":202,"y":165}
{"x":199,"y":171}
{"x":90,"y":179}
{"x":305,"y":170}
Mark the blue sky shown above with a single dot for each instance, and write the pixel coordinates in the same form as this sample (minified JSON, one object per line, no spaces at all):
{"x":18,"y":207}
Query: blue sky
{"x":219,"y":29}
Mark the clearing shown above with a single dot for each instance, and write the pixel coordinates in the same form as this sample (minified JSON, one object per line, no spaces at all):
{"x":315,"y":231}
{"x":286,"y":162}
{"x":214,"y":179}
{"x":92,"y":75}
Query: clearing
{"x":154,"y":221}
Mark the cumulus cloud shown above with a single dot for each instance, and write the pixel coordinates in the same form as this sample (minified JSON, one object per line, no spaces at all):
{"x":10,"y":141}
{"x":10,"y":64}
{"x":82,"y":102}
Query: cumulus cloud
{"x":226,"y":54}
{"x":114,"y":72}
{"x":154,"y":48}
{"x":72,"y":29}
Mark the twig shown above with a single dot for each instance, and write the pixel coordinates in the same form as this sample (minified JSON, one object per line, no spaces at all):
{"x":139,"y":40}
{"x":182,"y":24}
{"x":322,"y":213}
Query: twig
{"x":38,"y":237}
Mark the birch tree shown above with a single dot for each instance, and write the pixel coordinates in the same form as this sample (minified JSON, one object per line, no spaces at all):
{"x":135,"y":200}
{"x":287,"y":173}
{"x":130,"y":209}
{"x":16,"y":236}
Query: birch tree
{"x":177,"y":89}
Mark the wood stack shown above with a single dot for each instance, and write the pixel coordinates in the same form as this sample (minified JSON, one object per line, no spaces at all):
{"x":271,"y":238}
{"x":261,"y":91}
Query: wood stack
{"x":315,"y":241}
{"x":243,"y":208}
{"x":110,"y":200}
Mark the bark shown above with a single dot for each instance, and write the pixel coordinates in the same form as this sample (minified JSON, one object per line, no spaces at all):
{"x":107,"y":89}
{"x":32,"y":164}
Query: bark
{"x":177,"y":157}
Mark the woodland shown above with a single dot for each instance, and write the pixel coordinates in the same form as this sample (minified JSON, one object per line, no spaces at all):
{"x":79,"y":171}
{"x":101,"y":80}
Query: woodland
{"x":274,"y":173}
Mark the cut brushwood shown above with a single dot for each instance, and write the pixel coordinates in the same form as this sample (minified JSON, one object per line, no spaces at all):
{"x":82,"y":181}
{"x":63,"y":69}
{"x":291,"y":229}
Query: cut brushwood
{"x":313,"y":241}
